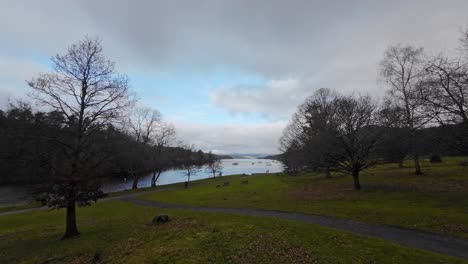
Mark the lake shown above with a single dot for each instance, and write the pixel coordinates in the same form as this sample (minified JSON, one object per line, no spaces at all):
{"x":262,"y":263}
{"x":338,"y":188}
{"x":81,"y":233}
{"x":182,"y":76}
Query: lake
{"x":19,"y":195}
{"x":230,"y":167}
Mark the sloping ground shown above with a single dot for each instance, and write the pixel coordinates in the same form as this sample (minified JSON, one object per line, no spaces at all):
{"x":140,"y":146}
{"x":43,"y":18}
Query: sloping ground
{"x":413,"y":238}
{"x":435,"y":202}
{"x":120,"y":232}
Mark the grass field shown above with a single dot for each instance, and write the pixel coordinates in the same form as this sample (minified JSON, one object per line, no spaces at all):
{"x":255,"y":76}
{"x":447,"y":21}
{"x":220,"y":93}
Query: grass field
{"x":117,"y":232}
{"x":436,"y":201}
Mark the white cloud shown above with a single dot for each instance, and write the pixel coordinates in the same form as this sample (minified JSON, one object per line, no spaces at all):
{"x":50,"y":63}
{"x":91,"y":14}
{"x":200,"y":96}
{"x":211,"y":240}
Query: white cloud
{"x":299,"y":46}
{"x":276,"y":100}
{"x":224,"y":139}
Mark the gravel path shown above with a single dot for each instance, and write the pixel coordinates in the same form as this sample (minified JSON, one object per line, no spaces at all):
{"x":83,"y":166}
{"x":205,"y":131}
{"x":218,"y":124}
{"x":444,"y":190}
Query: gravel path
{"x":417,"y":239}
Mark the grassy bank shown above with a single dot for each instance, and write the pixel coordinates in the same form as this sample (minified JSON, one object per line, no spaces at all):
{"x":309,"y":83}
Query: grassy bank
{"x":436,"y":201}
{"x":117,"y":232}
{"x":180,"y":185}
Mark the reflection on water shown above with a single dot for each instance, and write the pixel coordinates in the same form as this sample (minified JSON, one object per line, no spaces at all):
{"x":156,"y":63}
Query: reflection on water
{"x":230,"y":167}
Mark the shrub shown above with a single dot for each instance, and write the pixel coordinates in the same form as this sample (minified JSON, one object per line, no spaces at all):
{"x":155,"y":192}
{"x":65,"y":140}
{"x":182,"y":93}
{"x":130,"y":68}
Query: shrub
{"x":464,"y":163}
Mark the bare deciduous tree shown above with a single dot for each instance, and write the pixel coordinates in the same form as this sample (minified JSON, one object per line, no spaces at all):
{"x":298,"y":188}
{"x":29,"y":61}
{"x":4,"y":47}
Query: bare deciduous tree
{"x":162,"y":139}
{"x":333,"y":132}
{"x":143,"y":125}
{"x":86,"y":89}
{"x":402,"y":69}
{"x":394,"y":142}
{"x":357,"y":136}
{"x":214,"y":166}
{"x":464,"y":42}
{"x":189,"y":164}
{"x":445,"y":89}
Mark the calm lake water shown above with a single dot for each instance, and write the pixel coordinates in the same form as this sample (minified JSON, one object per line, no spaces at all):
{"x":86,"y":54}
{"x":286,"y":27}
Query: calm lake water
{"x":19,"y":195}
{"x":230,"y":167}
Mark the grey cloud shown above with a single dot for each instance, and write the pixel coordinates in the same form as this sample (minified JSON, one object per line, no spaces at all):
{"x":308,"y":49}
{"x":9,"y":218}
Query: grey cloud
{"x":259,"y":138}
{"x":269,"y":37}
{"x":335,"y":44}
{"x":276,"y":100}
{"x":272,"y":38}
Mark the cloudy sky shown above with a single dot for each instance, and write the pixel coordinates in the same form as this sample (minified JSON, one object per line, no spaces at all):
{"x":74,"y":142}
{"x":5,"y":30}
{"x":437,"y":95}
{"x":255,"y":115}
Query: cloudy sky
{"x":228,"y":74}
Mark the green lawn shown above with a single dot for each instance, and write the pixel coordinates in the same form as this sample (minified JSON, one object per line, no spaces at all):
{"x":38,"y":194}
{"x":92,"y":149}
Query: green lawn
{"x":118,"y":232}
{"x":436,"y":201}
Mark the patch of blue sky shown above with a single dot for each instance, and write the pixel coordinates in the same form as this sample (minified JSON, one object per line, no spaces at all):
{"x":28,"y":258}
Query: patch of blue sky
{"x":26,"y":55}
{"x":186,"y":97}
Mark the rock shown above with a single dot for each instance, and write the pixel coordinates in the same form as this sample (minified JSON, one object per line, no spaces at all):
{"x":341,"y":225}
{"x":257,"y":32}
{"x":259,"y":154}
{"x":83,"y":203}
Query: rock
{"x":160,"y":219}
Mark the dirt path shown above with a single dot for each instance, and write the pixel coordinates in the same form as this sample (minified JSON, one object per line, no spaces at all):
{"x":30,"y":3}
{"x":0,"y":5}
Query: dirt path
{"x":417,"y":239}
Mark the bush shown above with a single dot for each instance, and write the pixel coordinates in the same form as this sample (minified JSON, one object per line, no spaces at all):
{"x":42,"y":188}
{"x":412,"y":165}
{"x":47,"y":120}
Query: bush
{"x":435,"y":159}
{"x":464,"y":163}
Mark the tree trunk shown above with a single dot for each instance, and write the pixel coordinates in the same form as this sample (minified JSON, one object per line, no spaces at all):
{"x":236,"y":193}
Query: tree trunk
{"x":400,"y":164}
{"x":71,"y":230}
{"x":135,"y":181}
{"x":155,"y":178}
{"x":357,"y":185}
{"x":327,"y":172}
{"x":417,"y":166}
{"x":188,"y":180}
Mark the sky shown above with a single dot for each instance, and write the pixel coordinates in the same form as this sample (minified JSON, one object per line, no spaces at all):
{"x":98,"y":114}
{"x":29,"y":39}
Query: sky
{"x":227,"y":74}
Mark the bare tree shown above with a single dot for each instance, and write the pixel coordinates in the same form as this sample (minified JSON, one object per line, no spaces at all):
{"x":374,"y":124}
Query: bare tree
{"x":445,"y":89}
{"x":394,"y":141}
{"x":189,"y":164}
{"x":86,"y":89}
{"x":162,"y":139}
{"x":190,"y":170}
{"x":142,"y":124}
{"x":357,"y":136}
{"x":402,"y":69}
{"x":335,"y":133}
{"x":464,"y":42}
{"x":215,"y":165}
